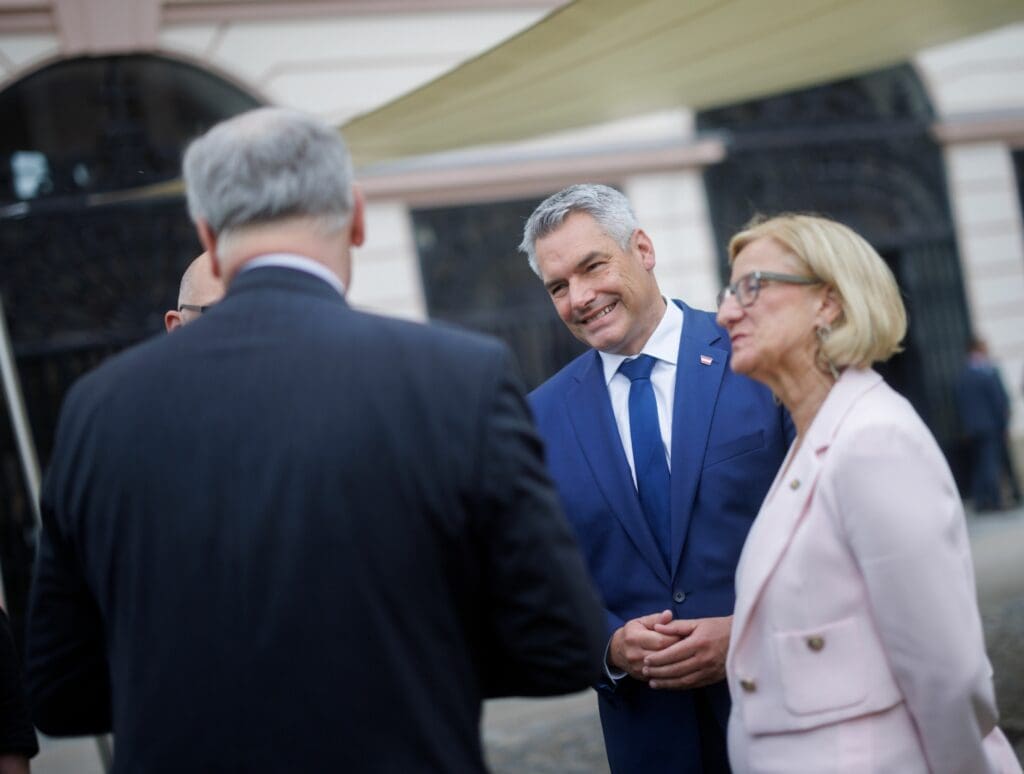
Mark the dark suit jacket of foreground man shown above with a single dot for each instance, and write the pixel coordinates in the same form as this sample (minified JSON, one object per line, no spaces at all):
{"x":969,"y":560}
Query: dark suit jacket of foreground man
{"x":305,"y":539}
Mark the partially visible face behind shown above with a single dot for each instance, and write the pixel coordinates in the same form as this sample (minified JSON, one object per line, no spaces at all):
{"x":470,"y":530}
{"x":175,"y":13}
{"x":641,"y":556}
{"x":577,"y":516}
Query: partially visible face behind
{"x":606,"y":296}
{"x":201,"y":289}
{"x":775,"y":335}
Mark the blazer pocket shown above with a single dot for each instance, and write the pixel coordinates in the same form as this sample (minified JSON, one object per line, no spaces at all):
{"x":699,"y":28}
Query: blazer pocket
{"x":724,"y":451}
{"x":822,"y":669}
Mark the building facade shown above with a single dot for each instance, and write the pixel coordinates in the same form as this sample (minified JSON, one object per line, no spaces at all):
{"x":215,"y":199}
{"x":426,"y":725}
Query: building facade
{"x":925,"y":157}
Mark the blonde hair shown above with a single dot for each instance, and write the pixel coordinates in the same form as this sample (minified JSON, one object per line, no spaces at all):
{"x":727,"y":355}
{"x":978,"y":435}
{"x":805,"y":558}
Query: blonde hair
{"x":873,"y":321}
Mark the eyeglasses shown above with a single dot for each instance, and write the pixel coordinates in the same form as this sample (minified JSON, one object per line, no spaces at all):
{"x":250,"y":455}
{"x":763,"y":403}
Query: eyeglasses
{"x":194,"y":307}
{"x":746,"y":288}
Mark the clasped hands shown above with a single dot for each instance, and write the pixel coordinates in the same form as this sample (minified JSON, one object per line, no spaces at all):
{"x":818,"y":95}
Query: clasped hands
{"x":672,"y":654}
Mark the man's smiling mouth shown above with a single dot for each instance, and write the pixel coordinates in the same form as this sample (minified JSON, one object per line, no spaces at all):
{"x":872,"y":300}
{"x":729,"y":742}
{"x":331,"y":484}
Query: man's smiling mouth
{"x":599,"y":314}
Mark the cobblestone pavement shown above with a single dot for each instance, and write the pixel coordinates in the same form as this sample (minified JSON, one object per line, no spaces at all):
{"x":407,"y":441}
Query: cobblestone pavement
{"x":1004,"y":631}
{"x":997,"y":541}
{"x":563,"y":736}
{"x":545,"y":737}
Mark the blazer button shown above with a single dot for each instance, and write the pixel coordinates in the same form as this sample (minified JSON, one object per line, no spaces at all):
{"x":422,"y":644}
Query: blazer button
{"x":749,"y":686}
{"x":678,"y":596}
{"x":815,"y":643}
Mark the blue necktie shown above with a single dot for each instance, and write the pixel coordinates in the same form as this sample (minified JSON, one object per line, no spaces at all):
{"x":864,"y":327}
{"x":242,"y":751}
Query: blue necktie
{"x":652,"y":474}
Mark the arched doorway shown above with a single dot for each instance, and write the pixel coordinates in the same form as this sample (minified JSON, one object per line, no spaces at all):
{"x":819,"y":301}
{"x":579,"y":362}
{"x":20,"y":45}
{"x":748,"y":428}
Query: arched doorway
{"x":91,"y":248}
{"x":859,"y":151}
{"x":474,"y":277}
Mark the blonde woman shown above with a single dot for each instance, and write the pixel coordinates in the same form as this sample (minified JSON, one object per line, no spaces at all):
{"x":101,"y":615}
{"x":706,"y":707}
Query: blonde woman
{"x":856,"y":644}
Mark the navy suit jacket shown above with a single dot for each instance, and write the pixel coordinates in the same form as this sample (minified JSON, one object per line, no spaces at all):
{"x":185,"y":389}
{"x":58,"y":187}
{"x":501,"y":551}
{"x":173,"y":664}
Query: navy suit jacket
{"x":728,"y":440}
{"x":296,"y":537}
{"x":982,"y":401}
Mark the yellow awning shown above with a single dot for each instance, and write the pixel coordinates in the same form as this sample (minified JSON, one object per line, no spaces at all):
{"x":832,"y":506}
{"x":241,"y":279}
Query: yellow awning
{"x":597,"y":60}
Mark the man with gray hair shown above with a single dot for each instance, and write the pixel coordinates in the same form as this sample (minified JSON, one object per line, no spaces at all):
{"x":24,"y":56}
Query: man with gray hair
{"x":661,"y":456}
{"x":294,"y":536}
{"x":199,"y":290}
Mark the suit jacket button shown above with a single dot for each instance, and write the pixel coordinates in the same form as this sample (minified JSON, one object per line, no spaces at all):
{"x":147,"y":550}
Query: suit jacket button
{"x":749,"y":686}
{"x":815,"y":643}
{"x":679,"y":596}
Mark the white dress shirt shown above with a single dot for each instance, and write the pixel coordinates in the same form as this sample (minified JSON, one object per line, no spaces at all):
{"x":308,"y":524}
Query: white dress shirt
{"x":663,"y":345}
{"x":299,"y":263}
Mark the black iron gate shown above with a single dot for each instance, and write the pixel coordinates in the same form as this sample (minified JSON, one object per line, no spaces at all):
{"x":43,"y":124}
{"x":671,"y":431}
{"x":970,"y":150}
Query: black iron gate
{"x":91,"y":248}
{"x":473,"y":276}
{"x":859,"y":151}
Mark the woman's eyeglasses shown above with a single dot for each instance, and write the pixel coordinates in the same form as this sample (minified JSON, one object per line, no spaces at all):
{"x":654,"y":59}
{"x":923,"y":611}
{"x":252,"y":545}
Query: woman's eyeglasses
{"x":746,"y":288}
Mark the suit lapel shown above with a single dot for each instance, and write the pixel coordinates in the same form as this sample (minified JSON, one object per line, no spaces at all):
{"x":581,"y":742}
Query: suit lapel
{"x":697,"y":385}
{"x":590,"y":412}
{"x":774,"y":527}
{"x":789,"y":498}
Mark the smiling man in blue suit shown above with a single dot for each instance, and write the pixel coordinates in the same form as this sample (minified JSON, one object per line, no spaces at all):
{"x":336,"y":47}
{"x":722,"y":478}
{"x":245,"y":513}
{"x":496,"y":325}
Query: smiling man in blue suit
{"x":661,"y":456}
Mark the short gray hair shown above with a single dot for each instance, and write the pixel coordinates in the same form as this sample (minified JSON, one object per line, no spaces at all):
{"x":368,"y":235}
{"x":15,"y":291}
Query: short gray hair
{"x":265,"y":165}
{"x":610,"y":208}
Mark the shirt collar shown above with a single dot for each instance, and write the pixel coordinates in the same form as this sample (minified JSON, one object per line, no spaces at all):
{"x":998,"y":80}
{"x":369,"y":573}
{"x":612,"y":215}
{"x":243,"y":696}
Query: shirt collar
{"x":663,"y":343}
{"x":299,"y":263}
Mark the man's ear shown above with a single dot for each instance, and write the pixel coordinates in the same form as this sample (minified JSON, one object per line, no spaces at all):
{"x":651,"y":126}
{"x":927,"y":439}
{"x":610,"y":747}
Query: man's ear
{"x":172,"y":319}
{"x":209,"y":241}
{"x":357,"y":223}
{"x":643,"y":244}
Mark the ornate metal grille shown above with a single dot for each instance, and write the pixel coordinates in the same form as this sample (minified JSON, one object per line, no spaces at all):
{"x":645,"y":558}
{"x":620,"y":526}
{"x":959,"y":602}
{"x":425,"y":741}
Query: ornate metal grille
{"x":474,"y":277}
{"x":859,"y":151}
{"x":81,"y":280}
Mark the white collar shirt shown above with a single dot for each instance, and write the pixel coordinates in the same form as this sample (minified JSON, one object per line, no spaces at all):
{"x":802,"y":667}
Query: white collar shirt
{"x":299,"y":263}
{"x":663,"y":345}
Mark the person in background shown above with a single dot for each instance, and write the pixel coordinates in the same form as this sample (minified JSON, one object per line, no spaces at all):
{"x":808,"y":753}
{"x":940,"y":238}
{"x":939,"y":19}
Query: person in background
{"x":661,"y":456}
{"x":294,"y":536}
{"x":200,"y":288}
{"x":856,"y":644}
{"x":984,"y":408}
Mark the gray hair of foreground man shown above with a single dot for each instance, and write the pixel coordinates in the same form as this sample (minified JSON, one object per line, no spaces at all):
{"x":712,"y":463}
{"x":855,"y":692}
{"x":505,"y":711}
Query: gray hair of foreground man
{"x":604,"y":204}
{"x":266,"y":165}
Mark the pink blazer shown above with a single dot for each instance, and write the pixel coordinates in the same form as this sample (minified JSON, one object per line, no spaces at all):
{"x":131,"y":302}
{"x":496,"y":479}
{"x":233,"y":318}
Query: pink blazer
{"x":855,"y":604}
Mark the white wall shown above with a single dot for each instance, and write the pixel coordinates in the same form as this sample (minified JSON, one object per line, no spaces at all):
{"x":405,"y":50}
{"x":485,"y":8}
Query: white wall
{"x":20,"y":53}
{"x":982,"y":74}
{"x":672,"y":209}
{"x":980,"y":79}
{"x":339,"y":66}
{"x":986,"y":209}
{"x":385,"y":270}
